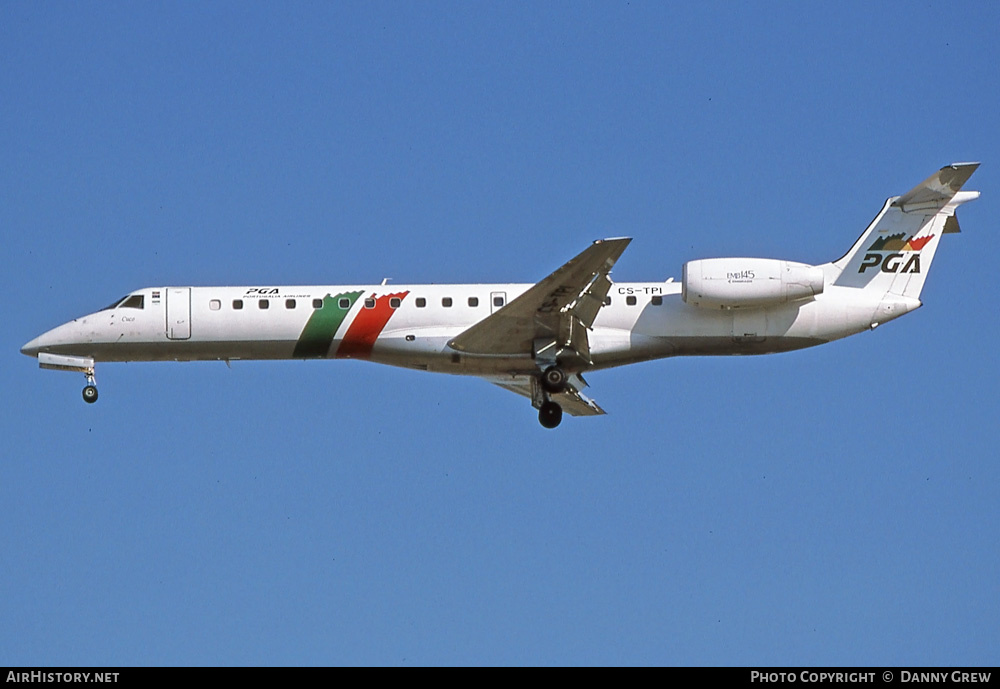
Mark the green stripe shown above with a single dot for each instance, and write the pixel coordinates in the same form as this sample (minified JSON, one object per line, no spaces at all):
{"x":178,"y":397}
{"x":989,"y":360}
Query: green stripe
{"x":317,"y":336}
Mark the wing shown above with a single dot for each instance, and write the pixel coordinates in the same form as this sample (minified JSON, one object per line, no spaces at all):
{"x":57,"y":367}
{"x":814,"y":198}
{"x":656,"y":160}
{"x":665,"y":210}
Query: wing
{"x":572,"y":401}
{"x":562,"y":307}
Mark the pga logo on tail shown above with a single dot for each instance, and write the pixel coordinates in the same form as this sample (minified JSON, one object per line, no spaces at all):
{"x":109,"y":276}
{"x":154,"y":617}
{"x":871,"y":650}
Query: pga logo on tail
{"x":891,"y":263}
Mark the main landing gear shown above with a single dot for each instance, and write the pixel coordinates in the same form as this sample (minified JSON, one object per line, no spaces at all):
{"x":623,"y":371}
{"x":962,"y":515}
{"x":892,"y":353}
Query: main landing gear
{"x":552,"y":381}
{"x":90,"y":391}
{"x":549,"y":414}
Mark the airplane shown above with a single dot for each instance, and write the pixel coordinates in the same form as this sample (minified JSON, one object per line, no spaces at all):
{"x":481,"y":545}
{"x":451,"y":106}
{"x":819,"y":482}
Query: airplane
{"x":537,"y":340}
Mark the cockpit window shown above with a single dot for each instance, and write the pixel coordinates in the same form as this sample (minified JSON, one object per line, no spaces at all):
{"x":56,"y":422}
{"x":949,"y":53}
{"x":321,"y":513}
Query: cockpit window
{"x":132,"y":301}
{"x":113,"y":304}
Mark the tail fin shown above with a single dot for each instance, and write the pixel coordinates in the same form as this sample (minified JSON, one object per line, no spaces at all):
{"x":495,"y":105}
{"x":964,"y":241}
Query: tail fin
{"x":895,"y":252}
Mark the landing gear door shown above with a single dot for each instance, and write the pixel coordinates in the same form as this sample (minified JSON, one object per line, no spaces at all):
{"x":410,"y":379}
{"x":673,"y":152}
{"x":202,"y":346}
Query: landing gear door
{"x":497,"y":301}
{"x":179,"y":313}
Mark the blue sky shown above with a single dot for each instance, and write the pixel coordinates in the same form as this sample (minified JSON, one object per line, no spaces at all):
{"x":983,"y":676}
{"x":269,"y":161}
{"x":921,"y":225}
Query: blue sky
{"x":831,"y":506}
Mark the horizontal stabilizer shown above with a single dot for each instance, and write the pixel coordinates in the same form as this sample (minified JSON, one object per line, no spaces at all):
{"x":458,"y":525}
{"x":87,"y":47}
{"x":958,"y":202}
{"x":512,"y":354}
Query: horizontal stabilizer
{"x":937,"y":190}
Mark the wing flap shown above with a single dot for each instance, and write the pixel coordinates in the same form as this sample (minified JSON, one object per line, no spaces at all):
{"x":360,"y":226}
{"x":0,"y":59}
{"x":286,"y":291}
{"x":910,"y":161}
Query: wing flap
{"x":572,"y":401}
{"x":591,"y":301}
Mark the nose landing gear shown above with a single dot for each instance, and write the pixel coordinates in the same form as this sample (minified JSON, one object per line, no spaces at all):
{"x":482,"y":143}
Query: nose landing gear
{"x":79,"y":364}
{"x":90,"y":391}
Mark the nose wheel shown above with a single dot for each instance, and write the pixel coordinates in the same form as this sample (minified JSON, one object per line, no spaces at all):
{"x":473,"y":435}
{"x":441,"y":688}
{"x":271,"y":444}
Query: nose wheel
{"x":90,"y":390}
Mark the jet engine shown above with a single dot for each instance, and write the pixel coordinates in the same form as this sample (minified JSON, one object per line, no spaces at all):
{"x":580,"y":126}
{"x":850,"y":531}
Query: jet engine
{"x":730,"y":283}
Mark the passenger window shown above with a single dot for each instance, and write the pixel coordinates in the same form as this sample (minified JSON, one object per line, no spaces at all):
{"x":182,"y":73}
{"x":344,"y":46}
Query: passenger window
{"x":133,"y":302}
{"x":421,"y":302}
{"x":215,"y":304}
{"x":263,"y":304}
{"x":394,"y":302}
{"x":344,"y":303}
{"x":289,"y":303}
{"x":237,"y":304}
{"x":657,"y":301}
{"x":607,"y":301}
{"x":317,"y":303}
{"x":497,"y":301}
{"x":473,"y":301}
{"x":369,"y":303}
{"x":446,"y":302}
{"x":630,"y":300}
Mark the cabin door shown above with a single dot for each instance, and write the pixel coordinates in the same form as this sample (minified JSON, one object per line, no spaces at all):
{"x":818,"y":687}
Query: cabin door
{"x":178,"y":313}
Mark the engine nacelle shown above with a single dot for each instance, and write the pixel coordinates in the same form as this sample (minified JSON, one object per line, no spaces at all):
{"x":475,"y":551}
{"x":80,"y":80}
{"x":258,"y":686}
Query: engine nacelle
{"x":730,"y":283}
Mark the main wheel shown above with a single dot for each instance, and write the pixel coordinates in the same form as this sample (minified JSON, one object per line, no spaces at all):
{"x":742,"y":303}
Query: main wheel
{"x":550,"y":414}
{"x":554,"y":379}
{"x":90,"y":394}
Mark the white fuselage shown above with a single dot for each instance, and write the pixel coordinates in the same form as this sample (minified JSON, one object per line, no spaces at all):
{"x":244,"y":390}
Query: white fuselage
{"x":411,"y":325}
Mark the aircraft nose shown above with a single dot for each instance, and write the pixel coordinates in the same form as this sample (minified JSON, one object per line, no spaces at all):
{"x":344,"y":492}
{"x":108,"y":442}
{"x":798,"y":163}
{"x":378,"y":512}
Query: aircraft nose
{"x":44,"y":342}
{"x":31,"y":348}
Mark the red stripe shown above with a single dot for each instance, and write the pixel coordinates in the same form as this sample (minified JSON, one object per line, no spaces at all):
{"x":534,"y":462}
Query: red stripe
{"x":367,"y":326}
